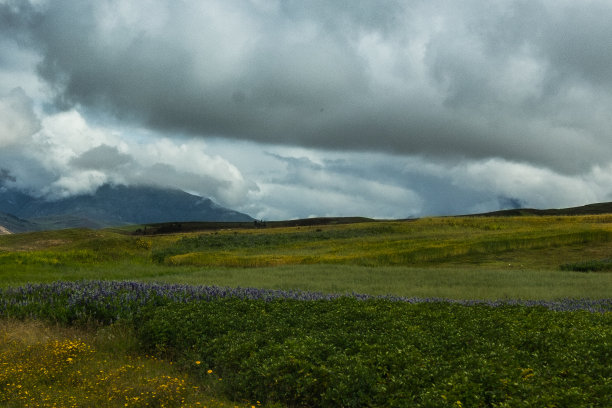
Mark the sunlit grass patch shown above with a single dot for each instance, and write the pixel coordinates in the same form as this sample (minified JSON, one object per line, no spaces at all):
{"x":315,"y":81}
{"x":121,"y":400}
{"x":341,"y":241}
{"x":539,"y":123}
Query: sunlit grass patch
{"x":421,"y":242}
{"x":228,"y":259}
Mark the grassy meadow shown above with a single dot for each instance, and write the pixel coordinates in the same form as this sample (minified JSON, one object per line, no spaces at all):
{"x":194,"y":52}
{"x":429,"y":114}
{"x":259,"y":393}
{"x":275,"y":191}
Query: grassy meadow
{"x":459,"y":257}
{"x":429,"y":348}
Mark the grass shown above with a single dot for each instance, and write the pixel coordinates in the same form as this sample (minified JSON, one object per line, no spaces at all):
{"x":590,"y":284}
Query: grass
{"x":459,"y":257}
{"x":405,"y":281}
{"x":447,"y":282}
{"x":456,"y":355}
{"x":423,"y":242}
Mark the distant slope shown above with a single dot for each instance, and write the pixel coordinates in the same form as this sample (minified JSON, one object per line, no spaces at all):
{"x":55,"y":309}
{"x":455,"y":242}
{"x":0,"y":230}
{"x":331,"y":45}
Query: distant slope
{"x":590,"y":209}
{"x":171,"y":227}
{"x":55,"y":222}
{"x":11,"y":224}
{"x":12,"y":201}
{"x":117,"y":205}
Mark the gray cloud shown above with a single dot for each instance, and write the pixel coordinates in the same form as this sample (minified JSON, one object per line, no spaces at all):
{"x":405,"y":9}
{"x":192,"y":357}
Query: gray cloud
{"x":17,"y":118}
{"x":374,"y":108}
{"x":305,"y":182}
{"x":330,"y":187}
{"x":5,"y":175}
{"x":102,"y":157}
{"x":62,"y":154}
{"x":522,"y":81}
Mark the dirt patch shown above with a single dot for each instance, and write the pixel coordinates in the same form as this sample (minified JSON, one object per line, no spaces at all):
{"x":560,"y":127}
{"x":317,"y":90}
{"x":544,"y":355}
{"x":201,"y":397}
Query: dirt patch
{"x":36,"y":245}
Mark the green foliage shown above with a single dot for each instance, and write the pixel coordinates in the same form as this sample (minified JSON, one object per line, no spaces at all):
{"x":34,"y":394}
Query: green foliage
{"x":348,"y":352}
{"x":589,"y":266}
{"x":379,"y":353}
{"x":456,"y":257}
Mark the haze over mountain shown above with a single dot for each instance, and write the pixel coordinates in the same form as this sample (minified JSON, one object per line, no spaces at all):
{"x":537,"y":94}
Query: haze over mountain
{"x":110,"y":205}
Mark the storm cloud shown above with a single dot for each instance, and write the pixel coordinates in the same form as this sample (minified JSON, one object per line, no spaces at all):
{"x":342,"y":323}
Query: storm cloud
{"x":62,"y":155}
{"x":523,"y":81}
{"x":287,"y":108}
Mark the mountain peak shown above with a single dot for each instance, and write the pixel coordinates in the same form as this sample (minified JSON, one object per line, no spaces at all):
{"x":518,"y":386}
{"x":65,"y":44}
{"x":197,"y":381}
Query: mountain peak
{"x":112,"y":205}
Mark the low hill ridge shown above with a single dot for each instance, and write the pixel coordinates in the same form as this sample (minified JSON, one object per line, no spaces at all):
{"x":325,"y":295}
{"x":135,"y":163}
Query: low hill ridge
{"x":589,"y":209}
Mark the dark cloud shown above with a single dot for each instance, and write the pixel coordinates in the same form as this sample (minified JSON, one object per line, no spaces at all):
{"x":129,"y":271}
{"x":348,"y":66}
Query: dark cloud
{"x":525,"y":81}
{"x":102,"y":157}
{"x":376,"y":108}
{"x":5,"y":175}
{"x":511,"y":203}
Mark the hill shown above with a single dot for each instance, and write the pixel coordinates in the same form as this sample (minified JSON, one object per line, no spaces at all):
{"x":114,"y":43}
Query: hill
{"x":589,"y":209}
{"x":172,"y":227}
{"x":114,"y":205}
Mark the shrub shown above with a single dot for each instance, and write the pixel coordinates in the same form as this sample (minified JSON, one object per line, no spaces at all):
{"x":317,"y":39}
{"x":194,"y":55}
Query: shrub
{"x":347,"y":352}
{"x":589,"y":266}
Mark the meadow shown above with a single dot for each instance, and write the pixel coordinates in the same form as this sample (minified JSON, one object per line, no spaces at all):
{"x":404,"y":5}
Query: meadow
{"x":454,"y":311}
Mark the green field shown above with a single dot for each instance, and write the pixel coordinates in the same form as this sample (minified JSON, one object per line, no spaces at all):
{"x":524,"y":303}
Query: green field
{"x":280,"y":353}
{"x":468,"y":257}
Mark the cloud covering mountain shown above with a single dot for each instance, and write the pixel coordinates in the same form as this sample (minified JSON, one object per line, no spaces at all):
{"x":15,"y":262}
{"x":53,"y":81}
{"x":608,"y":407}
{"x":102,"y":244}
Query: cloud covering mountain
{"x":297,"y":108}
{"x":109,"y":206}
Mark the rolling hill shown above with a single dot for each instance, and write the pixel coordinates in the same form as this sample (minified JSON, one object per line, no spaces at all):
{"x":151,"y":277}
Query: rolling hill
{"x":589,"y":209}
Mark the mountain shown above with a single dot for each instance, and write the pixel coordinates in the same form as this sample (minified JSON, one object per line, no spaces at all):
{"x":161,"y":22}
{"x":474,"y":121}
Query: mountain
{"x":10,"y":224}
{"x":113,"y":205}
{"x":11,"y":201}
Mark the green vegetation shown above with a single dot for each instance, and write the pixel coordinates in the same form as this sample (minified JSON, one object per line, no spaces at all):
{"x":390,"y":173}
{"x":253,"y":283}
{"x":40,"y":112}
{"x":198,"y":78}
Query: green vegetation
{"x":459,"y":257}
{"x":379,"y":353}
{"x":589,"y":266}
{"x":340,"y":352}
{"x":422,"y":242}
{"x":343,"y":351}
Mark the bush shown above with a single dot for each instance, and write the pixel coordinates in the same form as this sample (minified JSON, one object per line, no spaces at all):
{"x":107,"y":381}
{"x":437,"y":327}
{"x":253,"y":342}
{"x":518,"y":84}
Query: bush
{"x":589,"y":266}
{"x":308,"y":349}
{"x":348,"y":352}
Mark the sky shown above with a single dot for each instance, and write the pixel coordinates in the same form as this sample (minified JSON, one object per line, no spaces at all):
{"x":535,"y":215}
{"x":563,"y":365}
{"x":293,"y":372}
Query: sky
{"x":295,"y":108}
